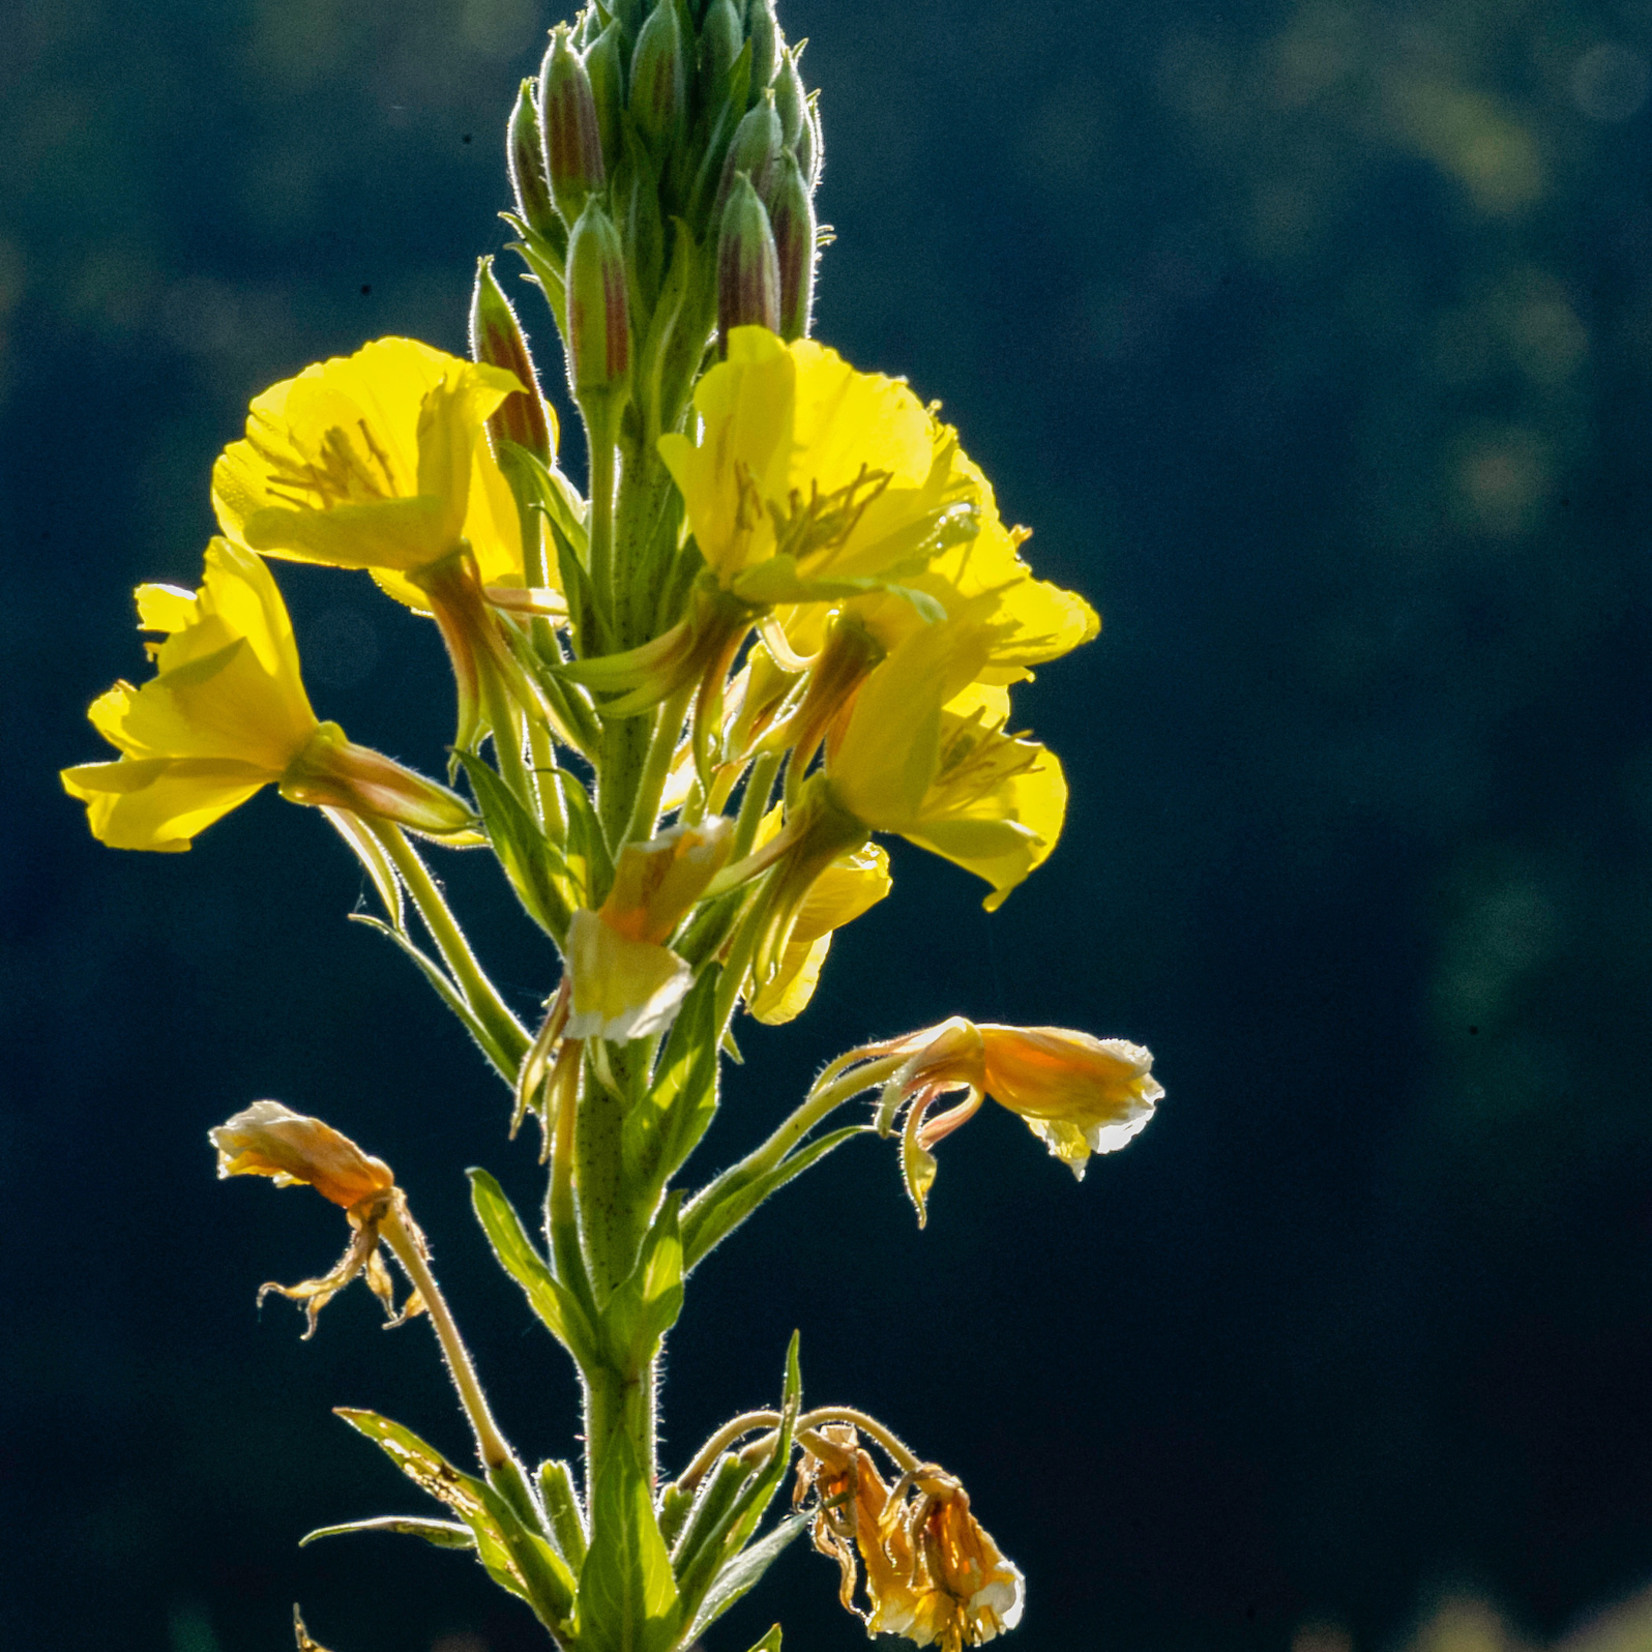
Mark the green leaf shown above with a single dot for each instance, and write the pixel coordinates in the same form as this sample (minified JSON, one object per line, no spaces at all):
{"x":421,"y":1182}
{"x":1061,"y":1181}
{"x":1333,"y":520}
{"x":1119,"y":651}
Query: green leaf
{"x":742,"y":1574}
{"x":770,"y":1642}
{"x":708,"y":1518}
{"x":682,"y":1099}
{"x":714,"y":1215}
{"x":647,"y":1303}
{"x":550,"y":1299}
{"x":531,"y":861}
{"x":516,"y":1558}
{"x":627,"y":1596}
{"x":444,"y":1534}
{"x":697,"y":1577}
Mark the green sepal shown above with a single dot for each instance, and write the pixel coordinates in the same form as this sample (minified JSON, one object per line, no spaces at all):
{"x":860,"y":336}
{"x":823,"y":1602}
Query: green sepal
{"x":698,"y":1575}
{"x":515,"y":1557}
{"x":556,"y":1492}
{"x":443,"y":1534}
{"x":536,"y":867}
{"x":648,"y":1300}
{"x":719,"y":1210}
{"x":742,"y":1574}
{"x":557,"y":1307}
{"x":675,"y":1503}
{"x":627,"y":1596}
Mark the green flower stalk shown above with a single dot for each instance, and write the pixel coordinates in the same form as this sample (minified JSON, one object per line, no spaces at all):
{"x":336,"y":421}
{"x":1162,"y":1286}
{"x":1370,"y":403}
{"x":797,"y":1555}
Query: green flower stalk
{"x":782,"y":620}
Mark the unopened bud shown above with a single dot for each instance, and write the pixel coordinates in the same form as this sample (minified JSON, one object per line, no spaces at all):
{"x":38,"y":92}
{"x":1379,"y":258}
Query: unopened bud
{"x":599,"y":318}
{"x":790,"y":100}
{"x":525,"y":156}
{"x":496,"y":338}
{"x":568,"y":118}
{"x":659,"y":77}
{"x":792,"y":218}
{"x":748,"y":268}
{"x":605,"y":69}
{"x":765,"y":45}
{"x":721,"y":36}
{"x":754,"y":149}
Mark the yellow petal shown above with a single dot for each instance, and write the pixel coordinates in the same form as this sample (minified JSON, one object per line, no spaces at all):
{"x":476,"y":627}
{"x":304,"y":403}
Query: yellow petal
{"x":159,"y":803}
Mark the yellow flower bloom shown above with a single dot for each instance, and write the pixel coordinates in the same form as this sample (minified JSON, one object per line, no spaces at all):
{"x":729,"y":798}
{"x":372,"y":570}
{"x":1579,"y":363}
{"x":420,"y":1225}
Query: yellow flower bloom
{"x":377,"y":460}
{"x":927,"y":1568}
{"x":268,"y":1139}
{"x":805,"y":470}
{"x":621,"y":988}
{"x":924,"y":754}
{"x":225,"y":715}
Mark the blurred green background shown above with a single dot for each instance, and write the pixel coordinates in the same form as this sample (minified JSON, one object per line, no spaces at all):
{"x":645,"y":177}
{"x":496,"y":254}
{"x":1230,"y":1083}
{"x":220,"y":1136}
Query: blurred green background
{"x":1315,"y":341}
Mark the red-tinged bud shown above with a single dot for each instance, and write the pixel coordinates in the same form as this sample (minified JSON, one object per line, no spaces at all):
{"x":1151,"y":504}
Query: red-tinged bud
{"x":722,"y":34}
{"x":765,"y":45}
{"x":605,"y":69}
{"x":811,"y":152}
{"x":525,"y":156}
{"x":791,"y":102}
{"x":748,"y":268}
{"x":792,"y":218}
{"x":496,"y":337}
{"x":599,"y":318}
{"x":659,"y":78}
{"x":568,"y":118}
{"x":755,"y":149}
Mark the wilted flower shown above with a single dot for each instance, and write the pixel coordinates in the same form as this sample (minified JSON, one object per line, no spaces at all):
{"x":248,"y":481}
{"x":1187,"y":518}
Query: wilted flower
{"x":268,"y":1139}
{"x":926,"y":1568}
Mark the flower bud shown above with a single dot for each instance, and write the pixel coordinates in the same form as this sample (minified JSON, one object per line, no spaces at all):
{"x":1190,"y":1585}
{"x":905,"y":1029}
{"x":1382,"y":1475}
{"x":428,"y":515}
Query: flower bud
{"x":335,"y":773}
{"x":496,"y":338}
{"x":791,"y":102}
{"x":754,"y":149}
{"x":659,"y":77}
{"x":792,"y":216}
{"x":721,"y":36}
{"x":568,"y":118}
{"x":605,"y":69}
{"x":525,"y":156}
{"x":765,"y":45}
{"x":599,"y":317}
{"x":748,"y":268}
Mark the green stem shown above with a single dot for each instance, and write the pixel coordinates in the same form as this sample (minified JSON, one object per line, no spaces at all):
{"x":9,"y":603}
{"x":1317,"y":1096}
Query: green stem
{"x":604,"y":478}
{"x":407,"y":1245}
{"x":656,"y":769}
{"x":736,"y":1428}
{"x":900,"y":1454}
{"x":479,"y":992}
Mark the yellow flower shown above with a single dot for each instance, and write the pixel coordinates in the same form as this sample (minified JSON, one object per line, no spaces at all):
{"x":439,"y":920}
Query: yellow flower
{"x":924,"y":754}
{"x":928,"y":1570}
{"x":849,"y":886}
{"x":377,"y":460}
{"x":225,"y":715}
{"x":268,"y":1139}
{"x":805,"y":470}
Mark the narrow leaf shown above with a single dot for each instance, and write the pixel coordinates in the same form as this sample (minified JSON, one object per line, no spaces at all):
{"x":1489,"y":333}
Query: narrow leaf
{"x":531,"y":861}
{"x":647,"y":1303}
{"x":444,"y":1534}
{"x":743,"y":1573}
{"x":549,"y":1298}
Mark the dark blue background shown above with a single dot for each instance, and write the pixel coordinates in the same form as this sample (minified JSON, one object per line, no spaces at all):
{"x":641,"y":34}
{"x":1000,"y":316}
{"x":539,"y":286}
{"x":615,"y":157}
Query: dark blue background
{"x":1315,"y":342}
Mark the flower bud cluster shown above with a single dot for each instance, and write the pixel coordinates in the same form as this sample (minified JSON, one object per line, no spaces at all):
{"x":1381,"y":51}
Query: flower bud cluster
{"x":643,"y":118}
